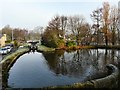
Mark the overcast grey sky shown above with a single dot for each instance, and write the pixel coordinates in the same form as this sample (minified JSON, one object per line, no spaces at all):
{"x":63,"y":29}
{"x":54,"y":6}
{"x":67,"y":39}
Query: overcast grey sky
{"x":31,"y":13}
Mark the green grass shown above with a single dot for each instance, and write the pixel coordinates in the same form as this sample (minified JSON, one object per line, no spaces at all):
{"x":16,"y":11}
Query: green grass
{"x":45,"y":49}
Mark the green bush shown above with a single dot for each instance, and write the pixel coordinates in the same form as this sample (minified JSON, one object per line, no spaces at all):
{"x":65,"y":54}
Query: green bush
{"x":51,"y":38}
{"x":15,"y":43}
{"x":70,"y":43}
{"x":8,"y":41}
{"x":60,"y":43}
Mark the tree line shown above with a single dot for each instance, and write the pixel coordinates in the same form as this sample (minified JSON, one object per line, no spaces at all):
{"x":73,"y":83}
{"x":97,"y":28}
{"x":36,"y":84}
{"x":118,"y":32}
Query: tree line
{"x":74,"y":30}
{"x":21,"y":35}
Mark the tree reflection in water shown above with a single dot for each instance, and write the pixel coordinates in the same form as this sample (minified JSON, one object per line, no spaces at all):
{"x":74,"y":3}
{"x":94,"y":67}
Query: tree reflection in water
{"x":88,"y":63}
{"x":60,"y":67}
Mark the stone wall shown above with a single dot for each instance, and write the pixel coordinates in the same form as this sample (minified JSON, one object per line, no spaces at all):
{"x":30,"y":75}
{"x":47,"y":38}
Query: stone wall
{"x":110,"y":81}
{"x":0,"y":76}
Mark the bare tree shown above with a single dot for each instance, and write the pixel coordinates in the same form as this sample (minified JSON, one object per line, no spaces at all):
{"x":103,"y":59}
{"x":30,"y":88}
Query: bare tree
{"x":75,"y":24}
{"x":118,"y":24}
{"x":38,"y":31}
{"x":63,"y":25}
{"x":85,"y":34}
{"x":97,"y":19}
{"x":113,"y":23}
{"x":55,"y":32}
{"x":56,"y":24}
{"x":106,"y":8}
{"x":8,"y":31}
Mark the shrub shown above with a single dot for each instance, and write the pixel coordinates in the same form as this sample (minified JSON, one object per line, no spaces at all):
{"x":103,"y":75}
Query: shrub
{"x":8,"y":41}
{"x":51,"y":38}
{"x":15,"y":43}
{"x":61,"y":43}
{"x":70,"y":43}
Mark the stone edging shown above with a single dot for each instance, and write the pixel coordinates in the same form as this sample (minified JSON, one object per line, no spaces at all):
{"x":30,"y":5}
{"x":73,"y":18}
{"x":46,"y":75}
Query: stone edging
{"x":8,"y":62}
{"x":110,"y":81}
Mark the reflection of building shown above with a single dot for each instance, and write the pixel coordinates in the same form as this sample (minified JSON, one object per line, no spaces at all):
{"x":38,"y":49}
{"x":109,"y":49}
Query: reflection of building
{"x":2,"y":40}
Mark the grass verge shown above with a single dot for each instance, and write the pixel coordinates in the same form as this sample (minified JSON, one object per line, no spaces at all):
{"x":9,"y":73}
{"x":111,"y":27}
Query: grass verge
{"x":42,"y":48}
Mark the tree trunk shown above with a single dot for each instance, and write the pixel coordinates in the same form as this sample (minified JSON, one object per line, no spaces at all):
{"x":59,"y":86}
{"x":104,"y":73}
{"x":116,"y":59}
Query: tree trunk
{"x":113,"y":37}
{"x":106,"y":39}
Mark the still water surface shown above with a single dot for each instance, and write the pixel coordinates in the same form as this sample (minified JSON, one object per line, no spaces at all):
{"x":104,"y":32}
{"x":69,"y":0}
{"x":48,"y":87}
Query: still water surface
{"x":37,"y":70}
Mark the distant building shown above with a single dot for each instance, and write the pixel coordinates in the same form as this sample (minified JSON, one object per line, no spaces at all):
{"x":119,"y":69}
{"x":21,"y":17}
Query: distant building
{"x":2,"y":40}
